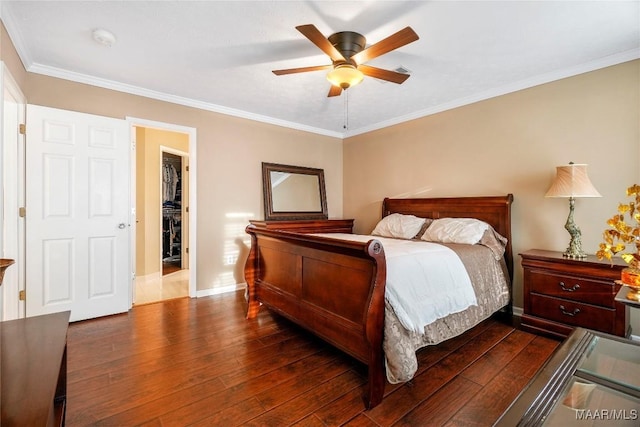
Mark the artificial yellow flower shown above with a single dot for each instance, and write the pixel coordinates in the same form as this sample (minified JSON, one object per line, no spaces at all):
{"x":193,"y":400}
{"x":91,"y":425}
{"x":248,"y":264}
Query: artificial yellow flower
{"x":622,"y":234}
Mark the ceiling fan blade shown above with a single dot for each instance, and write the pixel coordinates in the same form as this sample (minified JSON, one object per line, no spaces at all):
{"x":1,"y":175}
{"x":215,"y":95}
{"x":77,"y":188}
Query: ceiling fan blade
{"x":334,"y":91}
{"x":317,"y":38}
{"x":379,"y":73}
{"x":394,"y":41}
{"x":301,"y":70}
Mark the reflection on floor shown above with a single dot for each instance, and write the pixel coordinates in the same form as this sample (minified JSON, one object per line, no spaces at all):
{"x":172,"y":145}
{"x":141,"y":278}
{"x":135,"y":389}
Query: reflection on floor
{"x":157,"y":288}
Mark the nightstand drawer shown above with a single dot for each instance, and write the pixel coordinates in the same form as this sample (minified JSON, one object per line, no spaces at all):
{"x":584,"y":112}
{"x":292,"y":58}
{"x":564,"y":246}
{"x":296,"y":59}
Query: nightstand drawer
{"x":567,"y":287}
{"x":573,"y":313}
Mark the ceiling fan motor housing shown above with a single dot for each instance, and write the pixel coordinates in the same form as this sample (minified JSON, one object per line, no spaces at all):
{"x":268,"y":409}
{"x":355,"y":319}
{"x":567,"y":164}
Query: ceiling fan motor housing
{"x":348,"y":43}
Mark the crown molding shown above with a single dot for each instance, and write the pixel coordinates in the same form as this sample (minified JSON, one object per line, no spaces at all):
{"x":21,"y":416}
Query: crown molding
{"x":32,"y":67}
{"x":492,"y":93}
{"x":586,"y":67}
{"x":161,"y":96}
{"x":14,"y":34}
{"x":12,"y":29}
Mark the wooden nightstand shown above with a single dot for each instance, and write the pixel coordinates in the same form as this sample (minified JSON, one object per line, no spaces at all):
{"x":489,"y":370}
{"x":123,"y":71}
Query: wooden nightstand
{"x":561,"y":294}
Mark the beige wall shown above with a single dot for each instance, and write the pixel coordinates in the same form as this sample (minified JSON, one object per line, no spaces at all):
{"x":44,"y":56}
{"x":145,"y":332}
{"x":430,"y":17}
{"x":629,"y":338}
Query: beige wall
{"x":229,"y":154}
{"x":511,"y":144}
{"x":148,"y":191}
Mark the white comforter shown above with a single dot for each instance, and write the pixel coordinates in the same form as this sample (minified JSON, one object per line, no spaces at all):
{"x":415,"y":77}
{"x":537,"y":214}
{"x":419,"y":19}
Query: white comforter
{"x":425,"y":281}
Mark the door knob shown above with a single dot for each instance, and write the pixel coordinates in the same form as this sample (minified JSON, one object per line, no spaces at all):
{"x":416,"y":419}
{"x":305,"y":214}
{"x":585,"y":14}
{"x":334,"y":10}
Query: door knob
{"x":121,"y":225}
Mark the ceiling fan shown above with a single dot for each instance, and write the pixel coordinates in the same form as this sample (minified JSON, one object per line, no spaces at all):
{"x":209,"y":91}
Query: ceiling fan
{"x":348,"y":55}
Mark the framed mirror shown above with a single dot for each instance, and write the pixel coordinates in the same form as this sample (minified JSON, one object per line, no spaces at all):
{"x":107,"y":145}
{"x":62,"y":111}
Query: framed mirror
{"x":293,"y":192}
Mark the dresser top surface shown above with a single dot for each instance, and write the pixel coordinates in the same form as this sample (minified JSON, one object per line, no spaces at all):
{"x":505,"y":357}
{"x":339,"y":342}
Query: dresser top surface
{"x":545,"y":255}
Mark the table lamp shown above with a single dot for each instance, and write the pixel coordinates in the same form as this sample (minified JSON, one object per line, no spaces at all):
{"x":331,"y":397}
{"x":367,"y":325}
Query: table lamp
{"x":572,"y":181}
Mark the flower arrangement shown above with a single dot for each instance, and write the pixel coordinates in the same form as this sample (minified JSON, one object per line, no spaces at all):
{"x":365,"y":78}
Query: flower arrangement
{"x":620,"y":234}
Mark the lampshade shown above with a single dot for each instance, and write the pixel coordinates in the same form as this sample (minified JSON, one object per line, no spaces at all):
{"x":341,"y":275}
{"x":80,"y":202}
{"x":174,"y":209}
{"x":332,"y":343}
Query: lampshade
{"x":345,"y":76}
{"x":572,"y":181}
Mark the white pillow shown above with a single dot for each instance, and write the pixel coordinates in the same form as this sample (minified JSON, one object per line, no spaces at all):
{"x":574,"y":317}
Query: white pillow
{"x":456,"y":230}
{"x":399,"y":226}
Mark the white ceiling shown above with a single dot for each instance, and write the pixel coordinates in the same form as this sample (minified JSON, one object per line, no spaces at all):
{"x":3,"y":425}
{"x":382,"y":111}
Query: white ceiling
{"x":218,"y":55}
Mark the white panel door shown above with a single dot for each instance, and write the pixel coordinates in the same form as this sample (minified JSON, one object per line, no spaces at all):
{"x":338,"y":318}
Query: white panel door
{"x":78,"y":215}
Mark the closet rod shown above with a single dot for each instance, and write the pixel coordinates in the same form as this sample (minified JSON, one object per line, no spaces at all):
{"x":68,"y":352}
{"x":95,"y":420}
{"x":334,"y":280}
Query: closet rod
{"x":167,"y":160}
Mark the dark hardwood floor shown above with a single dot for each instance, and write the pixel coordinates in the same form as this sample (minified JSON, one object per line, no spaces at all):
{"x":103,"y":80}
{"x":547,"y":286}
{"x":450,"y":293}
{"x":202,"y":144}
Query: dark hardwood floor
{"x":199,"y":362}
{"x":170,"y":267}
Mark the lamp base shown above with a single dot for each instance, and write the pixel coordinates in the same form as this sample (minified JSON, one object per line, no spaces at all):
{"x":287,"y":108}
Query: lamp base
{"x":574,"y":251}
{"x":570,"y":255}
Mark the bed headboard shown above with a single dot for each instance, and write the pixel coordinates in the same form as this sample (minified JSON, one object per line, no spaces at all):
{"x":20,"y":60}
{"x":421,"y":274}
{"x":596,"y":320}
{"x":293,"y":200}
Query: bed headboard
{"x":494,"y":210}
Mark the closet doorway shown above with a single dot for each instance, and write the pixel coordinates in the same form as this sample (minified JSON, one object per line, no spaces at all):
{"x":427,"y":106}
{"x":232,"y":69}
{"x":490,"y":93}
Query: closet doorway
{"x":162,"y":215}
{"x":174,"y":167}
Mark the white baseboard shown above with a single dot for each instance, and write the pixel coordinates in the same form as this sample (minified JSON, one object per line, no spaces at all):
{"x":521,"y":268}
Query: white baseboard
{"x":221,"y":290}
{"x":517,"y":311}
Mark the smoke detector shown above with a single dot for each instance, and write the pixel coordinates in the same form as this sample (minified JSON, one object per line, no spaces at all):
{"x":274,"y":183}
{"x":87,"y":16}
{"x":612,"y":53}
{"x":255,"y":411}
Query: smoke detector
{"x":104,"y":37}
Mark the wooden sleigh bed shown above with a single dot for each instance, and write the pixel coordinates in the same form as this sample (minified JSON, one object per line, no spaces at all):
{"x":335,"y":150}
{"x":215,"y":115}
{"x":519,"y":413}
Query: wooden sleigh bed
{"x":336,"y":288}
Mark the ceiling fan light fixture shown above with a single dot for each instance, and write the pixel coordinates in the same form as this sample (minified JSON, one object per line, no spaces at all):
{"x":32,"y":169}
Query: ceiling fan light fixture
{"x":345,"y":76}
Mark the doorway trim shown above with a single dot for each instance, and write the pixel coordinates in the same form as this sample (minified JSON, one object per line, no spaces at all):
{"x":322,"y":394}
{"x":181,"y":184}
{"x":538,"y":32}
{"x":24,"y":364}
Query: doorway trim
{"x":12,"y":192}
{"x":193,"y":208}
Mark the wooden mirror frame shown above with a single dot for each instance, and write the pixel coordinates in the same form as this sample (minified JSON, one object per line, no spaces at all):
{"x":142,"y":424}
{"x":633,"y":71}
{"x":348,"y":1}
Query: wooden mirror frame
{"x":270,"y":214}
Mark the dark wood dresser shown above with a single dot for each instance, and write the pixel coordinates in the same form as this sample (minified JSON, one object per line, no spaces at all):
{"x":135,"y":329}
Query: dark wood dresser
{"x":561,"y":294}
{"x":34,"y":370}
{"x":308,"y":225}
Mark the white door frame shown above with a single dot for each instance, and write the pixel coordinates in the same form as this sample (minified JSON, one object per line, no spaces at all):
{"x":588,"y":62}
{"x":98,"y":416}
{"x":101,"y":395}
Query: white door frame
{"x":191,"y":132}
{"x":12,"y":230}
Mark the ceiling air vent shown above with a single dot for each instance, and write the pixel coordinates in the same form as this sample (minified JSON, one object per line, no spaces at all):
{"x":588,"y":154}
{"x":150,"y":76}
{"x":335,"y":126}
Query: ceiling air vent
{"x":398,"y":69}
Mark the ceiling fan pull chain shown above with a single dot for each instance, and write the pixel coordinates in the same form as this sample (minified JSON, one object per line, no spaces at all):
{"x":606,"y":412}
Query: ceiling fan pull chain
{"x":345,"y":126}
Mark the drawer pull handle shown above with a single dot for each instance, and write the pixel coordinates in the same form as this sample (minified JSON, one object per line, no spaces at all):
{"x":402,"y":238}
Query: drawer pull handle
{"x":571,"y":289}
{"x":568,"y":313}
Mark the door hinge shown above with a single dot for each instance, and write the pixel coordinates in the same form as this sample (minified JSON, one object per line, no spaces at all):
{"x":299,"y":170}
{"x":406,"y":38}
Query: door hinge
{"x":22,"y":129}
{"x":22,"y":212}
{"x":187,"y":209}
{"x":186,"y":250}
{"x":22,"y":295}
{"x":186,"y":168}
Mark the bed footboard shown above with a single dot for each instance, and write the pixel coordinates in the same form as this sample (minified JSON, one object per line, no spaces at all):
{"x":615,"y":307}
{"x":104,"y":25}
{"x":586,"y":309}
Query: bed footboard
{"x":333,"y":288}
